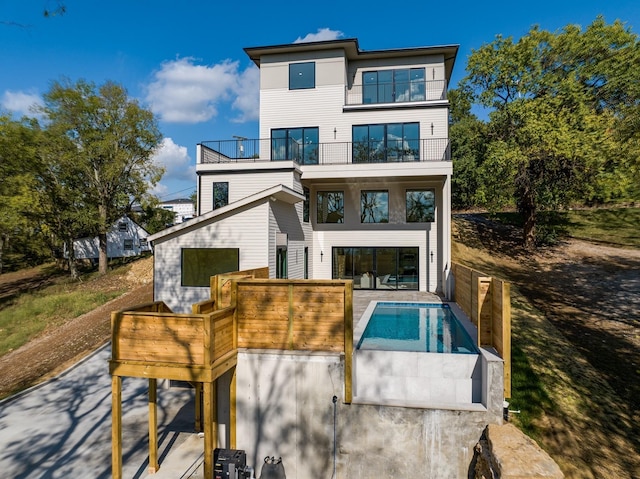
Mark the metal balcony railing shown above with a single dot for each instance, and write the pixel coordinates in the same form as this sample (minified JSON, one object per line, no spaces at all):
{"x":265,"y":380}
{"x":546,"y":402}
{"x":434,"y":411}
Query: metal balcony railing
{"x":396,"y":92}
{"x":374,"y":151}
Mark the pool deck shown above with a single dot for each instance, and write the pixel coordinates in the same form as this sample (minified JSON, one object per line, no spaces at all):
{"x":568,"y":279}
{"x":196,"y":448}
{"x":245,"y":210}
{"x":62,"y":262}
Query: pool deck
{"x":361,"y":299}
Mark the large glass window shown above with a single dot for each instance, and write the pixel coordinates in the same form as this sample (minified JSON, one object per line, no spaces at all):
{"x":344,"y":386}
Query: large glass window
{"x":297,"y":144}
{"x":199,"y":264}
{"x":330,"y":207}
{"x":377,"y":268}
{"x":374,"y":207}
{"x":302,"y":75}
{"x":421,"y":206}
{"x":220,"y":194}
{"x":390,"y":86}
{"x":386,"y":142}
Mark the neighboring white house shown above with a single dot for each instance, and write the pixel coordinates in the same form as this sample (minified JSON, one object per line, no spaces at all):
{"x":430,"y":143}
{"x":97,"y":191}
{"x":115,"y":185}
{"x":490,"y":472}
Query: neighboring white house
{"x":125,"y":238}
{"x":182,"y":209}
{"x":351,"y":176}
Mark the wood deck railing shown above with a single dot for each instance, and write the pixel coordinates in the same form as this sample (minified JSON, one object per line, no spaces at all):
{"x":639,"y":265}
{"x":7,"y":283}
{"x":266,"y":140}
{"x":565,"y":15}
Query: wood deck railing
{"x":487,"y":302}
{"x":245,"y":310}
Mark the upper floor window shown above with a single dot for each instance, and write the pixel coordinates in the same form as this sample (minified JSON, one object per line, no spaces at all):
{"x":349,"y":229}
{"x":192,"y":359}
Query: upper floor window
{"x":297,"y":144}
{"x":330,"y":207}
{"x":220,"y":194}
{"x":122,"y":227}
{"x":374,"y":207}
{"x":302,"y":75}
{"x":390,"y":86}
{"x":421,"y":205}
{"x":386,"y":142}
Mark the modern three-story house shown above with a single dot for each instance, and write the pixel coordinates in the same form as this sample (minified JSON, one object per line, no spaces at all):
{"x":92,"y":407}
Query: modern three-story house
{"x":350,"y":176}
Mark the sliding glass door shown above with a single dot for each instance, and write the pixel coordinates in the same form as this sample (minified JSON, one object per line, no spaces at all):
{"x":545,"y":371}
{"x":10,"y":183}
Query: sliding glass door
{"x":377,"y":268}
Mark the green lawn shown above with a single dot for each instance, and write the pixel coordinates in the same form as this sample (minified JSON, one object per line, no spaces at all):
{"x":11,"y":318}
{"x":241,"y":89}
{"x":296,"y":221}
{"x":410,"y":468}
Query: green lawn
{"x":616,"y":226}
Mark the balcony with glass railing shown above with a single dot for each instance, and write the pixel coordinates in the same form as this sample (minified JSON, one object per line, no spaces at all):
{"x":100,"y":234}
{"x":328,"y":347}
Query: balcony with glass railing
{"x":396,"y":92}
{"x":335,"y":153}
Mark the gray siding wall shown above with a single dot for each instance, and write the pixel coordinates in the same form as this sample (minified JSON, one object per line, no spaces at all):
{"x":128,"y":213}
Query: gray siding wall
{"x":395,"y":233}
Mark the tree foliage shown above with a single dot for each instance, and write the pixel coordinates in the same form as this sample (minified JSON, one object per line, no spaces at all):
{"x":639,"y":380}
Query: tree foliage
{"x":561,"y":125}
{"x":113,"y":139}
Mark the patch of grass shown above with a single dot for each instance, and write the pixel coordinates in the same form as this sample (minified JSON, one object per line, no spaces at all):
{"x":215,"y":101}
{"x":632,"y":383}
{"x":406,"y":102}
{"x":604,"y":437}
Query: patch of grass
{"x":32,"y":313}
{"x":616,"y":226}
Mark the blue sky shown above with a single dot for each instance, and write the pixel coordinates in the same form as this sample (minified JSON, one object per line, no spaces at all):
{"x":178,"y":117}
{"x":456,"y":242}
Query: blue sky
{"x":185,"y":60}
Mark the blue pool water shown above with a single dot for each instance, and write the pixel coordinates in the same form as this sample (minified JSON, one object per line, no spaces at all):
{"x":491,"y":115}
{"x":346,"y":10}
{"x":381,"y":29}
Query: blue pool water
{"x":422,"y":327}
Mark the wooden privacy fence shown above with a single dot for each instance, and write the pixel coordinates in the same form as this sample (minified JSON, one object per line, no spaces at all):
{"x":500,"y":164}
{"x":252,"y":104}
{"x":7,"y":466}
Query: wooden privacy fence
{"x":487,"y":302}
{"x":244,"y":311}
{"x":221,"y":284}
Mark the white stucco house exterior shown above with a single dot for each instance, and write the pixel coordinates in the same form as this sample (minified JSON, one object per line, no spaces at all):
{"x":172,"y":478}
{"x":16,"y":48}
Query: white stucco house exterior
{"x":350,"y":176}
{"x":125,"y":238}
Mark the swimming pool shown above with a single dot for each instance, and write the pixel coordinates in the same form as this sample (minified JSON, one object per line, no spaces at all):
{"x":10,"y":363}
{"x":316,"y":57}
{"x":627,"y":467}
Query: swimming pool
{"x":416,"y":354}
{"x":421,"y":327}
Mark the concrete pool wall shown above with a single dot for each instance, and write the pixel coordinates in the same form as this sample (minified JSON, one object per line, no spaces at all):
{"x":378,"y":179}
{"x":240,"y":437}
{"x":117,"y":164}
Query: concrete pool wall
{"x":285,"y":409}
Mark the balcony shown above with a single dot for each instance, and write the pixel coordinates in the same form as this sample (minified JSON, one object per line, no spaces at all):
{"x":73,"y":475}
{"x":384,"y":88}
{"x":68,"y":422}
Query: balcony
{"x":396,"y":92}
{"x":336,"y":153}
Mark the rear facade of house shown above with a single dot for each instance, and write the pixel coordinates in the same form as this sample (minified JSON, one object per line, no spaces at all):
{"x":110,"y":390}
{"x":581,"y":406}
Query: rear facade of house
{"x":349,"y":178}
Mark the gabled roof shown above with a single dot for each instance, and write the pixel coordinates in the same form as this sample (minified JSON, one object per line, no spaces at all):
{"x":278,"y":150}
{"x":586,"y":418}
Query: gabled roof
{"x":276,"y":193}
{"x":353,"y":52}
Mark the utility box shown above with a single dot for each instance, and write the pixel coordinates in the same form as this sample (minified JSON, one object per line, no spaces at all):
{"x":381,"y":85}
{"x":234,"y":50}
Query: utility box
{"x":229,"y":463}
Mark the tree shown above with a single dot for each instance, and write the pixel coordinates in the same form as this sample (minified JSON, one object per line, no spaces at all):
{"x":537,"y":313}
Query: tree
{"x":16,"y":150}
{"x":64,"y":204}
{"x":559,"y":104}
{"x":114,"y":139}
{"x":468,"y":148}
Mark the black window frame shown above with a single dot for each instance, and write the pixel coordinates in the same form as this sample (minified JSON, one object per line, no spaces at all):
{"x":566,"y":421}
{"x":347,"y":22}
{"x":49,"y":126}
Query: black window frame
{"x":302,"y":75}
{"x":420,"y":217}
{"x":303,"y":151}
{"x":321,"y":218}
{"x":220,"y":197}
{"x":368,"y":210}
{"x":392,"y":90}
{"x":384,"y":149}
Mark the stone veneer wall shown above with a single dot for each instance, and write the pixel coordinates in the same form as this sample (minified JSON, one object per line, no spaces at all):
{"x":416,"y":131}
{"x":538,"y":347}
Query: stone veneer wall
{"x":505,"y":452}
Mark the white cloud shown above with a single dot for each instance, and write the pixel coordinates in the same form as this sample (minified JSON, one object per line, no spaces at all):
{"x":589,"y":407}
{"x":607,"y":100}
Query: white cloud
{"x":176,"y":161}
{"x":20,"y":102}
{"x":184,"y":92}
{"x":323,"y":34}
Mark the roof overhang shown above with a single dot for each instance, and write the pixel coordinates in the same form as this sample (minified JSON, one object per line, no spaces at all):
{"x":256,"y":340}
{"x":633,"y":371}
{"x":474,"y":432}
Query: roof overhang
{"x":353,"y":52}
{"x":276,"y":193}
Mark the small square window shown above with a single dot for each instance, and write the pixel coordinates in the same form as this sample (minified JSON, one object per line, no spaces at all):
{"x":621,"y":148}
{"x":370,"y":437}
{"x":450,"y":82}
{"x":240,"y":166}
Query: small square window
{"x":128,"y":244}
{"x":421,"y":205}
{"x":302,"y":75}
{"x":330,"y":207}
{"x":122,"y":227}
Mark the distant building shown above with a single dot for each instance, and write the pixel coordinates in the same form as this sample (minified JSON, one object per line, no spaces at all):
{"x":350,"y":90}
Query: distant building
{"x":182,"y":208}
{"x":125,"y":238}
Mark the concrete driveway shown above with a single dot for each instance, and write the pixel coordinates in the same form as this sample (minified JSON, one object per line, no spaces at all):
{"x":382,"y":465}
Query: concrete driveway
{"x":62,"y":428}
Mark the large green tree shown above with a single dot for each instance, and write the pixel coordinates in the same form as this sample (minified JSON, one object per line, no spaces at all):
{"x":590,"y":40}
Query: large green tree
{"x":114,"y":139}
{"x":562,"y":109}
{"x":16,"y":151}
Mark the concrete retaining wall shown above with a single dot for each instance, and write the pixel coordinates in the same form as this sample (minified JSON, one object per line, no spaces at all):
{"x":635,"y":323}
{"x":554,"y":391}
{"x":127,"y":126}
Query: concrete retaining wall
{"x":285,"y":408}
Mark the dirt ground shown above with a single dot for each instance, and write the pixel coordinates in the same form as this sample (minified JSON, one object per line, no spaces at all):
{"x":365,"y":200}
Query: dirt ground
{"x":586,"y":344}
{"x":58,"y":348}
